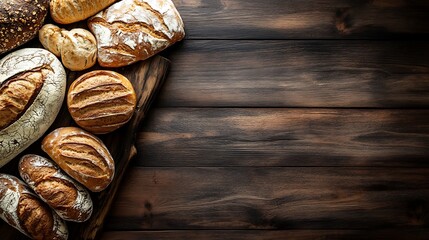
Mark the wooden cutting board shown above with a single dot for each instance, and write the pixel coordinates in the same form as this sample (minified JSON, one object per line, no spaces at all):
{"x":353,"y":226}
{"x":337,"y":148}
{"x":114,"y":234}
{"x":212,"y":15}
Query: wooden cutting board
{"x":147,"y":78}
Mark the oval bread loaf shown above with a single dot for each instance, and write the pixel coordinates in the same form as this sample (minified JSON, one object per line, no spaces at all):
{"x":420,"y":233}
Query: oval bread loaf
{"x":32,"y":89}
{"x":82,"y":156}
{"x":19,"y":21}
{"x":77,"y":48}
{"x":101,"y":101}
{"x":23,"y":210}
{"x":66,"y":197}
{"x":134,"y":30}
{"x":70,"y":11}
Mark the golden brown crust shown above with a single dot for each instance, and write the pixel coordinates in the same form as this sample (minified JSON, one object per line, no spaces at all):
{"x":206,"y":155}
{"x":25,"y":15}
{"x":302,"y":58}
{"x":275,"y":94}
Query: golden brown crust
{"x":17,"y":94}
{"x":81,"y":155}
{"x":60,"y":192}
{"x":70,"y":11}
{"x":134,"y":30}
{"x":19,"y":21}
{"x":101,"y":101}
{"x":23,"y":210}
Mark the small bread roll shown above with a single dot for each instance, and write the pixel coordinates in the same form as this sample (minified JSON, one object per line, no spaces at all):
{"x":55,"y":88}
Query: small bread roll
{"x":82,"y":156}
{"x":77,"y":48}
{"x":101,"y":101}
{"x":67,"y":198}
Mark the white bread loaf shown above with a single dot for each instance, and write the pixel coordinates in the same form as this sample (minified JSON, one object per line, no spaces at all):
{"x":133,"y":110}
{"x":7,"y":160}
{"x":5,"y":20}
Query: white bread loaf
{"x":32,"y":89}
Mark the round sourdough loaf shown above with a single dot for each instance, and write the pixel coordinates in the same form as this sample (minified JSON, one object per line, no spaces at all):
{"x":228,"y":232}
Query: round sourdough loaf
{"x":66,"y":197}
{"x":19,"y":21}
{"x":23,"y":210}
{"x":32,"y":89}
{"x":101,"y":101}
{"x":82,"y":156}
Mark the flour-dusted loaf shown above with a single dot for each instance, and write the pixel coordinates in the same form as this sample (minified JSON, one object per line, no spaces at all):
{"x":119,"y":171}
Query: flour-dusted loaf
{"x":67,"y":198}
{"x":70,"y":11}
{"x":19,"y":21}
{"x":101,"y":101}
{"x":32,"y":89}
{"x":133,"y":30}
{"x":82,"y":156}
{"x":77,"y":47}
{"x":23,"y":210}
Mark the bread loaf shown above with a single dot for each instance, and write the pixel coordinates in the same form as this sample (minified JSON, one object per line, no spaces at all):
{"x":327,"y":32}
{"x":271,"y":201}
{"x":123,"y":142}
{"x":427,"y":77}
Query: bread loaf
{"x":67,"y":198}
{"x":19,"y":21}
{"x":70,"y":11}
{"x":133,"y":30}
{"x":101,"y":101}
{"x":32,"y":89}
{"x":81,"y":155}
{"x":23,"y":210}
{"x":77,"y":48}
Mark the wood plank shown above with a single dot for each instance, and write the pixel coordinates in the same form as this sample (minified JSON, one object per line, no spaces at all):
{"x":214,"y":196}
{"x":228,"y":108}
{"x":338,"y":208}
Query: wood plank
{"x":392,"y":234}
{"x":298,"y":74}
{"x":296,"y":19}
{"x":271,"y":198}
{"x":284,"y":137}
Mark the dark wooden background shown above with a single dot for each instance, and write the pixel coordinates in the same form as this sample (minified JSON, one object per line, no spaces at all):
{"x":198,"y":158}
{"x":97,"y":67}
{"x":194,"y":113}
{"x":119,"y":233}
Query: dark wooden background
{"x":286,"y":119}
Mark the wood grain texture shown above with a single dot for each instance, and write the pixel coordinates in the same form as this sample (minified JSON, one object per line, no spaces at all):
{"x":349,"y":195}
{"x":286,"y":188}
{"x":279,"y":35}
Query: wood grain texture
{"x":147,"y":78}
{"x":271,"y":198}
{"x":284,"y":137}
{"x":374,"y":74}
{"x":392,"y":234}
{"x":295,"y":19}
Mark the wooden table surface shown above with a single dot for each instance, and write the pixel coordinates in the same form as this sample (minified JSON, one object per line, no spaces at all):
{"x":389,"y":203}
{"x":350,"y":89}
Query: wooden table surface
{"x":286,"y":119}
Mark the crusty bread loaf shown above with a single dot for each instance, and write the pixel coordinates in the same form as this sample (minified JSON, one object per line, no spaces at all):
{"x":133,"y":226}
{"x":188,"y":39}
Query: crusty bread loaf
{"x":32,"y":89}
{"x":133,"y":30}
{"x":66,"y":197}
{"x":77,"y":48}
{"x":70,"y":11}
{"x":23,"y":210}
{"x":101,"y":101}
{"x":81,"y":155}
{"x":19,"y":21}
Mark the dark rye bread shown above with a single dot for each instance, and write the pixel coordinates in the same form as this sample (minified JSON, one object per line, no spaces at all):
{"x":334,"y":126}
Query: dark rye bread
{"x":24,"y":211}
{"x":20,"y":20}
{"x":82,"y":156}
{"x":17,"y":94}
{"x":101,"y":101}
{"x":66,"y":197}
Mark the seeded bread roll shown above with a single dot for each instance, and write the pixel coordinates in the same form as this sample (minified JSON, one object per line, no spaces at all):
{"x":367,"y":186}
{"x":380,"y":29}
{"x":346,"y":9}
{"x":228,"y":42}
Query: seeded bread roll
{"x":32,"y":89}
{"x":23,"y":210}
{"x":101,"y":101}
{"x":66,"y":197}
{"x":82,"y":156}
{"x":70,"y":11}
{"x":134,"y":30}
{"x":19,"y":21}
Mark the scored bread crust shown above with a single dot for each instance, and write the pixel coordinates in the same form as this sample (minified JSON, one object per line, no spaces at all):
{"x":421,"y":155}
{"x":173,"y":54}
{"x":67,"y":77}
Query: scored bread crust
{"x":70,"y":11}
{"x":67,"y":198}
{"x":101,"y":101}
{"x":132,"y":30}
{"x":40,"y":112}
{"x":83,"y":156}
{"x":23,"y":210}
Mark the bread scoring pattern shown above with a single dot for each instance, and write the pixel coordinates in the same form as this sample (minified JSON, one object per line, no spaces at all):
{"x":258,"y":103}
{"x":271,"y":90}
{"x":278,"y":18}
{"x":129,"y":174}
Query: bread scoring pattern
{"x":39,"y":113}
